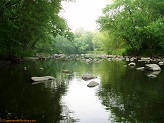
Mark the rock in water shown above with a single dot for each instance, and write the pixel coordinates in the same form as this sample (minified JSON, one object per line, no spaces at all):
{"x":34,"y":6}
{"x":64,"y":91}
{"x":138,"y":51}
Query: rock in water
{"x":152,"y":67}
{"x":160,"y":63}
{"x":44,"y":78}
{"x":140,"y":68}
{"x":132,"y":64}
{"x":92,"y":84}
{"x":88,"y":76}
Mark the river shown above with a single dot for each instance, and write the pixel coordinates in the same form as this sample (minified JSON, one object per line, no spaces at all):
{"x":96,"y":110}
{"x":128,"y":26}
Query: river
{"x":123,"y":94}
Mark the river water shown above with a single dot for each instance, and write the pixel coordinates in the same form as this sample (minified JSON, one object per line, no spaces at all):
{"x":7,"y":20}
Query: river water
{"x":123,"y":94}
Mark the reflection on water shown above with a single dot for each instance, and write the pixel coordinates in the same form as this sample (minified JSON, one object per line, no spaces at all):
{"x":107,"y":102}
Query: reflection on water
{"x":123,"y":94}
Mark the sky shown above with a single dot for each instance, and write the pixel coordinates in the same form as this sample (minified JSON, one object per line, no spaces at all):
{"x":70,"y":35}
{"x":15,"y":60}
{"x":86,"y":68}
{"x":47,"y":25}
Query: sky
{"x":83,"y":13}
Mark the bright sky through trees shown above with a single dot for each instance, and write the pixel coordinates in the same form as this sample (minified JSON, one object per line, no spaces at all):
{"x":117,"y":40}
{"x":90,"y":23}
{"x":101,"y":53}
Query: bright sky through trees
{"x":83,"y":13}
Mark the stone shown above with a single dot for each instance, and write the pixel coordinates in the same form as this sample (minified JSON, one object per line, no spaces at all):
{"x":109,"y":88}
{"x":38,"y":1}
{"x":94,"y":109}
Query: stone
{"x":88,"y":76}
{"x":152,"y":67}
{"x":132,"y":64}
{"x":145,"y":59}
{"x":160,"y":63}
{"x":140,"y":68}
{"x":44,"y":78}
{"x":93,"y":84}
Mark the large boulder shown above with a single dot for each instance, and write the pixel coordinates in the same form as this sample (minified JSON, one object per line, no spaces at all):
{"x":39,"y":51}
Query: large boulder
{"x":44,"y":78}
{"x":152,"y":67}
{"x":92,"y":84}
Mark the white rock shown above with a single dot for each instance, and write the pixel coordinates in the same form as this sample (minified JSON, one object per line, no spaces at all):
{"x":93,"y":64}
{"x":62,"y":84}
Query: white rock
{"x":152,"y":67}
{"x":160,"y":63}
{"x":132,"y":64}
{"x":146,"y":59}
{"x":44,"y":78}
{"x":92,"y":84}
{"x":140,"y":68}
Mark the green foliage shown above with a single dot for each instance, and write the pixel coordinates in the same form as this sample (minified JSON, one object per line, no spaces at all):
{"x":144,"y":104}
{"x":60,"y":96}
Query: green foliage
{"x":137,"y":23}
{"x":110,"y":44}
{"x":29,"y":24}
{"x":83,"y":40}
{"x":63,"y":45}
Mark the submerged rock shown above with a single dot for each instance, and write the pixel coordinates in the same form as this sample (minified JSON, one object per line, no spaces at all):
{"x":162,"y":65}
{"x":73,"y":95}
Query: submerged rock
{"x":92,"y":84}
{"x":88,"y":76}
{"x":44,"y":78}
{"x":152,"y":67}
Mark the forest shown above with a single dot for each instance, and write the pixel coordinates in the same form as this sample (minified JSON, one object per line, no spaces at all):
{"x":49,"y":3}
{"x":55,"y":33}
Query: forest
{"x":127,"y":27}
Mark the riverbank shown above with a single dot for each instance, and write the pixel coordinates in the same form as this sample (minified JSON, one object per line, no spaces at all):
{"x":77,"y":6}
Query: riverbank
{"x":81,"y":57}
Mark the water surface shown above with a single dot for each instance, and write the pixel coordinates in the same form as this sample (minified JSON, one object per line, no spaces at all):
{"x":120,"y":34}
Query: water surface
{"x":123,"y":94}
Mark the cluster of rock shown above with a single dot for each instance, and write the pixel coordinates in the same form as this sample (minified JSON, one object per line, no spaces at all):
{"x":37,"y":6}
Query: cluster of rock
{"x":89,"y":76}
{"x":152,"y":70}
{"x":95,"y":58}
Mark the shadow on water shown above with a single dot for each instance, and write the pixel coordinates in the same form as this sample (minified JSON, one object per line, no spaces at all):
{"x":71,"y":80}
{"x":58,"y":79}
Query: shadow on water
{"x":129,"y":95}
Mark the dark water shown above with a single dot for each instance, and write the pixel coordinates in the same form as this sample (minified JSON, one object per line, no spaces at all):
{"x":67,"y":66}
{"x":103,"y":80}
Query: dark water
{"x":123,"y":95}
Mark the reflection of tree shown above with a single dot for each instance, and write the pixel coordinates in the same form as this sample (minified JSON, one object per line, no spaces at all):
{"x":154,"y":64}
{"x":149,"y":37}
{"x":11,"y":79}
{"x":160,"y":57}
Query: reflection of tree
{"x":42,"y":102}
{"x":129,"y":95}
{"x":68,"y":116}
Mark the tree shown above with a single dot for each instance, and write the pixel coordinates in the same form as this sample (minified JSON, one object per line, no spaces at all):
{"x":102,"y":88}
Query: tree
{"x":27,"y":23}
{"x":83,"y":40}
{"x":138,"y":23}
